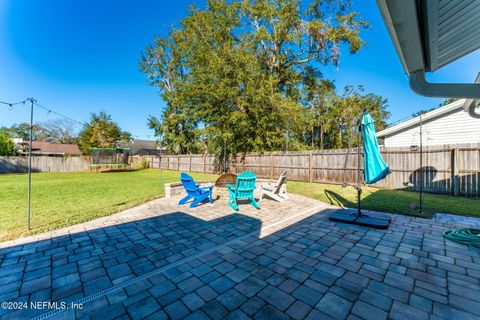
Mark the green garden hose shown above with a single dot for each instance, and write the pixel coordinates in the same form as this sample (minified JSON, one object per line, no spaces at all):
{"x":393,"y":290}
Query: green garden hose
{"x":468,"y":236}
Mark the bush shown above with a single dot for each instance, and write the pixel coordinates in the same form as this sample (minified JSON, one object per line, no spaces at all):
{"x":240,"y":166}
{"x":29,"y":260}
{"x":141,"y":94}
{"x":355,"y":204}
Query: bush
{"x":7,"y":147}
{"x":144,"y":164}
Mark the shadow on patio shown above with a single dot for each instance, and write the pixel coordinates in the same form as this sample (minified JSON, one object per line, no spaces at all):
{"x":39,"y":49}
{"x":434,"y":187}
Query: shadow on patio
{"x":307,"y":267}
{"x":70,"y":267}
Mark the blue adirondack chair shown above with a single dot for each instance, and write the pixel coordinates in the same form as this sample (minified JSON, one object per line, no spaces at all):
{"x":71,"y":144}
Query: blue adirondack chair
{"x":194,"y":191}
{"x":243,"y":189}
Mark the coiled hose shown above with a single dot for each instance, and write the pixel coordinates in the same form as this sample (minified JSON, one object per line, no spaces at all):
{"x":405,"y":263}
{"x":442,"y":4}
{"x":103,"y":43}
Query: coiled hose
{"x":468,"y":236}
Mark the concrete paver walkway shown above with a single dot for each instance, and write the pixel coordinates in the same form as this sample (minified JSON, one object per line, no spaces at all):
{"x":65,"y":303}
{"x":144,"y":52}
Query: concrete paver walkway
{"x":286,"y":260}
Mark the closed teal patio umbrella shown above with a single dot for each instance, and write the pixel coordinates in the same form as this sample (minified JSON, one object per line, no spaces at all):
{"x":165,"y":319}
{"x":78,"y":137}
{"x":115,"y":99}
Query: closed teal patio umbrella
{"x":375,"y":168}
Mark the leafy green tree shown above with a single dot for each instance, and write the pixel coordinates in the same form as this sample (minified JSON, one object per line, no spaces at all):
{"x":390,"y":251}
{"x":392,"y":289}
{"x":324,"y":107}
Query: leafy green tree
{"x":22,"y":131}
{"x":442,"y":104}
{"x":234,"y":74}
{"x":318,"y":99}
{"x":101,"y":132}
{"x":334,"y":119}
{"x":125,"y":136}
{"x":176,"y":134}
{"x":447,"y":101}
{"x":422,"y":111}
{"x":7,"y":147}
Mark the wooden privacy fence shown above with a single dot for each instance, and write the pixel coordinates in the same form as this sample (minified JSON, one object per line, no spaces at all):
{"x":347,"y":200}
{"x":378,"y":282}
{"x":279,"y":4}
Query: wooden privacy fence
{"x":19,"y":164}
{"x":44,"y":164}
{"x":446,"y":169}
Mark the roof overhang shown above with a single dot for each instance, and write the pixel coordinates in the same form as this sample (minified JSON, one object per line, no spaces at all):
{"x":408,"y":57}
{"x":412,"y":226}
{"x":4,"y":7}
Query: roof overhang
{"x":430,"y":34}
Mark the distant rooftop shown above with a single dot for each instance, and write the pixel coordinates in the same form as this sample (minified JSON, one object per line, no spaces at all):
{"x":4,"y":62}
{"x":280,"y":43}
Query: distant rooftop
{"x":48,"y":148}
{"x":142,"y":147}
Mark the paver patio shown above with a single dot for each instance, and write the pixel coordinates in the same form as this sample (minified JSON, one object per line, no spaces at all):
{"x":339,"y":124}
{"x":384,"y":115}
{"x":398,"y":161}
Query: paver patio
{"x":286,"y":260}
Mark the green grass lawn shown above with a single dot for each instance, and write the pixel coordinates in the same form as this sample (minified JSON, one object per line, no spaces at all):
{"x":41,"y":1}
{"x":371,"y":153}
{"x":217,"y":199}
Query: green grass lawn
{"x":62,"y":199}
{"x":395,"y":201}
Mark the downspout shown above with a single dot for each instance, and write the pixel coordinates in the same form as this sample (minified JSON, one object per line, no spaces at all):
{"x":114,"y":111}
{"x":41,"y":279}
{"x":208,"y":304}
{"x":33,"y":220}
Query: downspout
{"x":420,"y":85}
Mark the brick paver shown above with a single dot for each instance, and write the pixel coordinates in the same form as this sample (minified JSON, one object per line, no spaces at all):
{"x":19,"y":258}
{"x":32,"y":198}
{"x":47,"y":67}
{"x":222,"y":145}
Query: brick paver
{"x":286,"y":260}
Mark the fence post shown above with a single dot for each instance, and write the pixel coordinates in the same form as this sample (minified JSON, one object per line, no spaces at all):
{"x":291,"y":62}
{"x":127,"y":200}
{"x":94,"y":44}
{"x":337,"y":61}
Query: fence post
{"x":190,"y":163}
{"x":271,"y":165}
{"x":455,"y":177}
{"x":310,"y":175}
{"x":204,"y":163}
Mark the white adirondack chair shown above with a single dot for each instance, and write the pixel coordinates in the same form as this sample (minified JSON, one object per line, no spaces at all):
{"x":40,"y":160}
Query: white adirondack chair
{"x":277,"y":190}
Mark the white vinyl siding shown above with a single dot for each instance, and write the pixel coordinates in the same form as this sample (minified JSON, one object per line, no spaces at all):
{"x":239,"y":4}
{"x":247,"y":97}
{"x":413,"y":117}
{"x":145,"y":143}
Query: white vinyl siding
{"x":451,"y":128}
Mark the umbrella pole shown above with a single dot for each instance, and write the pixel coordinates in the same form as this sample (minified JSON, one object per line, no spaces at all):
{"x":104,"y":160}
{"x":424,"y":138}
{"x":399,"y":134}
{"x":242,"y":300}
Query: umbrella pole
{"x":359,"y":174}
{"x":358,"y":218}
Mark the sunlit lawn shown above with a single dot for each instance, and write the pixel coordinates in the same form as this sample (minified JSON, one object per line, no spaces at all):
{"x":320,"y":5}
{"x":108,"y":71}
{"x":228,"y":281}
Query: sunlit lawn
{"x":62,"y":199}
{"x":395,"y":201}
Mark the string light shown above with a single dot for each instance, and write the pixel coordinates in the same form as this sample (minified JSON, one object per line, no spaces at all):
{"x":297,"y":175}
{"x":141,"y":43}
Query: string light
{"x":11,"y":104}
{"x":50,"y":111}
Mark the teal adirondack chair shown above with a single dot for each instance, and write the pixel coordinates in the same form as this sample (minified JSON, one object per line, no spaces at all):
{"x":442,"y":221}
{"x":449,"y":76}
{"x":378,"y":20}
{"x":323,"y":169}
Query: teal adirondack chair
{"x":243,"y":189}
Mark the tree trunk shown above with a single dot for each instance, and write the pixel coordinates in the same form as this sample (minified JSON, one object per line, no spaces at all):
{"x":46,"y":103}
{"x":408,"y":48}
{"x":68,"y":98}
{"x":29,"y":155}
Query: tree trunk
{"x":321,"y":138}
{"x":312,"y":137}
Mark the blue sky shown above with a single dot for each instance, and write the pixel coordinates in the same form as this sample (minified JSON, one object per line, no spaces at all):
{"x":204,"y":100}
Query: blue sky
{"x":78,"y":57}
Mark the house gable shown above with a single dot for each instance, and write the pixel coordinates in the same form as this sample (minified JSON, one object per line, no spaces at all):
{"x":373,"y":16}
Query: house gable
{"x":454,"y":127}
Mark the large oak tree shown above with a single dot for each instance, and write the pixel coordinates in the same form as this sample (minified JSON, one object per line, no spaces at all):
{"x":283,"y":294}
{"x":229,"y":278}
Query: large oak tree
{"x":234,"y":75}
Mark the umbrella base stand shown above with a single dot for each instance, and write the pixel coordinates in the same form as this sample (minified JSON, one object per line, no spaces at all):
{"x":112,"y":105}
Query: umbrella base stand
{"x":377,"y":222}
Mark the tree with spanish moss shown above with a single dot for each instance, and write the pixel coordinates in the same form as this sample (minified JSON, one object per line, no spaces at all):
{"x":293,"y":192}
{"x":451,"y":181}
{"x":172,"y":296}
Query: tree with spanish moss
{"x":234,"y":74}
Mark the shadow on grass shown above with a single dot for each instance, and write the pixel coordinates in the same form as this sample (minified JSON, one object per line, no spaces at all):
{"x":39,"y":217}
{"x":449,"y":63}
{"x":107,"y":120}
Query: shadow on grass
{"x":10,"y":165}
{"x":338,"y":200}
{"x":382,"y":200}
{"x":397,"y":201}
{"x":117,"y":170}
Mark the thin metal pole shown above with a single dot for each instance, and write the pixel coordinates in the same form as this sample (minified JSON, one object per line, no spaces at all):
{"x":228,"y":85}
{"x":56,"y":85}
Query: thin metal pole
{"x":359,"y":175}
{"x":225,"y":156}
{"x":421,"y":163}
{"x":30,"y":161}
{"x":160,"y":165}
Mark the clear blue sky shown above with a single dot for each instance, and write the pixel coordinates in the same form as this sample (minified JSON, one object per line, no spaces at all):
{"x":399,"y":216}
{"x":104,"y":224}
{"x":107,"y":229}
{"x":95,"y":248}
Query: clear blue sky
{"x":77,"y":57}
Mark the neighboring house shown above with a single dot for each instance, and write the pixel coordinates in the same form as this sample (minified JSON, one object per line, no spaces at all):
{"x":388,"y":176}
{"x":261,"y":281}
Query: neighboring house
{"x":50,"y":149}
{"x":142,"y":147}
{"x":450,"y":124}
